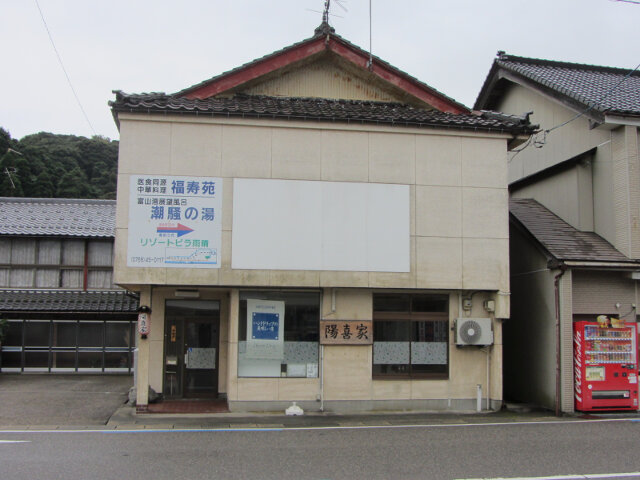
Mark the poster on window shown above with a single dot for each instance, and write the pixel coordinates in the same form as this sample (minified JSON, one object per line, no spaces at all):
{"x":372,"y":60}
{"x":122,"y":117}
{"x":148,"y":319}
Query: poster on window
{"x":265,"y":329}
{"x":175,"y":221}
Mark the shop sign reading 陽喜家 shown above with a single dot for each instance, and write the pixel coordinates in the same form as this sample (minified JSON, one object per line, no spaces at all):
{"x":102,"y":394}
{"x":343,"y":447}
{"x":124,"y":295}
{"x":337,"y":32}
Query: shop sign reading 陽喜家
{"x":346,"y":332}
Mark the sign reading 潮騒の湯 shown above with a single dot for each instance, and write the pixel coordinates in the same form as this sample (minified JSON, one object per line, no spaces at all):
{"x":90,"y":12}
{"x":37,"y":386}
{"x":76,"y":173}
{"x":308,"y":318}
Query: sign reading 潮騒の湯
{"x":175,"y":221}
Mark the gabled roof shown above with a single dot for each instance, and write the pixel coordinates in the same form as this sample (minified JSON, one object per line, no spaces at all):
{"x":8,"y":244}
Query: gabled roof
{"x":562,"y":241}
{"x":57,"y":217}
{"x":67,"y":301}
{"x":317,"y":109}
{"x":603,"y":90}
{"x":324,"y":41}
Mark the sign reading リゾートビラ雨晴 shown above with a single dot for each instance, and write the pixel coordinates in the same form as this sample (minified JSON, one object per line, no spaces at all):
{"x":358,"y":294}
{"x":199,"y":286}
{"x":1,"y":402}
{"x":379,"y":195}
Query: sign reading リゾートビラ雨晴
{"x":175,"y":221}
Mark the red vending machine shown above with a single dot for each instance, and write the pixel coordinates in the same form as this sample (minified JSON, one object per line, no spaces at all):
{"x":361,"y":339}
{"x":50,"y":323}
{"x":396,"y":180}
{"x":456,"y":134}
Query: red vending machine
{"x":606,"y":368}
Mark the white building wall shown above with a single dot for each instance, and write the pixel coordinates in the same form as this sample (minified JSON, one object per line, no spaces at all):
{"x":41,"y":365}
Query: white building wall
{"x":457,"y":182}
{"x":562,"y":144}
{"x":458,"y":234}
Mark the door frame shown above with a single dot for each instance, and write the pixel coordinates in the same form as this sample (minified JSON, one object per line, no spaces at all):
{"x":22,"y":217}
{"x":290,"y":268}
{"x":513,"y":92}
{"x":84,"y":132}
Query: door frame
{"x":176,"y":370}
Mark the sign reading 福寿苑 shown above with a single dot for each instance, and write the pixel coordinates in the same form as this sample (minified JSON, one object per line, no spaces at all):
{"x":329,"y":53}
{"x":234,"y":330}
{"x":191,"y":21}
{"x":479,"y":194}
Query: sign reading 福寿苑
{"x":346,"y":332}
{"x":265,"y":329}
{"x":175,"y":221}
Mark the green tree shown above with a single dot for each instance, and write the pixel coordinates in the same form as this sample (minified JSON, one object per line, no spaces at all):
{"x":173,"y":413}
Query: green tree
{"x":44,"y":187}
{"x":58,"y":165}
{"x":5,"y":141}
{"x":73,"y":184}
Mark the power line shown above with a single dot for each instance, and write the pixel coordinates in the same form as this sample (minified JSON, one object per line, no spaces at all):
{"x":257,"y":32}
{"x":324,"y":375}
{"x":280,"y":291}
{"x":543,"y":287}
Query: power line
{"x":595,"y":104}
{"x":64,"y":69}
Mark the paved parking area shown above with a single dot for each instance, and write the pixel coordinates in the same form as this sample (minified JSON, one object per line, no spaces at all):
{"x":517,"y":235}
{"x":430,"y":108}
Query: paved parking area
{"x":30,"y":399}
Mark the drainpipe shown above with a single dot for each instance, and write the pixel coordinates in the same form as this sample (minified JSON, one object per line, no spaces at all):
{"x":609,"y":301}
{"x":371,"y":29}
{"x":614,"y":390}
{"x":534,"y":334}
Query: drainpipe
{"x":322,"y":378}
{"x":556,"y":284}
{"x":488,"y":379}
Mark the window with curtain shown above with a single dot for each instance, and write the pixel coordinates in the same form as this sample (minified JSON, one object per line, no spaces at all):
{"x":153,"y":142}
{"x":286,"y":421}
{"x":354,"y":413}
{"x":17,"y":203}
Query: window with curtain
{"x":411,"y":336}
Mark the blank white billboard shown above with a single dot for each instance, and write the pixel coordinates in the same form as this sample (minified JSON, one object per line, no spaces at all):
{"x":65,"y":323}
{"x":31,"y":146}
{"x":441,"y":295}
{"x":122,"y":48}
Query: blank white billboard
{"x":308,"y":225}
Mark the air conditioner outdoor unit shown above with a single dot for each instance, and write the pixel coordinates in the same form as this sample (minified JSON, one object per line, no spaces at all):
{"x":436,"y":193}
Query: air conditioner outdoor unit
{"x":474,"y":331}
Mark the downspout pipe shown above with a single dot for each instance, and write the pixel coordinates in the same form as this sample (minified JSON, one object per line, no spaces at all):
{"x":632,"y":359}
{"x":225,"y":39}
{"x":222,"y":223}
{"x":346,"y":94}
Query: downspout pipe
{"x":556,"y":284}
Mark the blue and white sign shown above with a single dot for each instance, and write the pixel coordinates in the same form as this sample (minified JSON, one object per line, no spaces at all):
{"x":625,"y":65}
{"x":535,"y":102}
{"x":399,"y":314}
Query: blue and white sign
{"x":265,"y":329}
{"x":265,"y":326}
{"x":175,"y":221}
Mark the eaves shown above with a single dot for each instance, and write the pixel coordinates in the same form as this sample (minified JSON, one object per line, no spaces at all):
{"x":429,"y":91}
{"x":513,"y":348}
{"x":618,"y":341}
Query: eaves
{"x":595,"y":116}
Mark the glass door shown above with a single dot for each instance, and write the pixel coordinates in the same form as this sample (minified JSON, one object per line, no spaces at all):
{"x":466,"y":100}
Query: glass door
{"x":192,"y":332}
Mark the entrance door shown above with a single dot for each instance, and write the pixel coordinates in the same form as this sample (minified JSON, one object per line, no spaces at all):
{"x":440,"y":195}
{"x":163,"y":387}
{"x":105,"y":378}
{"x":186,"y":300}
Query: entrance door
{"x":191,"y":348}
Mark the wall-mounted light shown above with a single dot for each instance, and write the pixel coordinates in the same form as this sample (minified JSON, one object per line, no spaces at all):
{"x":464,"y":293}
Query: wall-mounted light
{"x":144,"y":321}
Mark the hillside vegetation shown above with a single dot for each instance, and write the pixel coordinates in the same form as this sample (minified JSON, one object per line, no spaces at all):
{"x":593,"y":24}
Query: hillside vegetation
{"x":46,"y":165}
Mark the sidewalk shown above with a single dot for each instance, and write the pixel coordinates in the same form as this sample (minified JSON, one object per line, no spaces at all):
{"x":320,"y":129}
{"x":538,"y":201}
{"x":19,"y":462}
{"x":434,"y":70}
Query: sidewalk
{"x":97,"y":402}
{"x":125,"y":418}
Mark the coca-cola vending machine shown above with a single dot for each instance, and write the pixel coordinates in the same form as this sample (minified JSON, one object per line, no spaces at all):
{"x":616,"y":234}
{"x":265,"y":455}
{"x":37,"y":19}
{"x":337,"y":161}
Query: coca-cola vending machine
{"x":605,"y":363}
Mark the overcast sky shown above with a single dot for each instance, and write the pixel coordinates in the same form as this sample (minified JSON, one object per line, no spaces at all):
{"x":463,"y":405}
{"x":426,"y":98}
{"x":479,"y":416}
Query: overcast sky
{"x":143,"y":45}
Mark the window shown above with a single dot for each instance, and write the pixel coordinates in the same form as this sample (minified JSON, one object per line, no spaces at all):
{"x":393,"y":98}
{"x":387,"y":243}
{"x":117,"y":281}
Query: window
{"x":410,"y":336}
{"x":63,"y":344}
{"x":53,"y":263}
{"x":283,"y":339}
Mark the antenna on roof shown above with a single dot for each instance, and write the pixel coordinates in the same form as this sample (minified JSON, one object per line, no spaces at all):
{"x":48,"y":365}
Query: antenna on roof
{"x":325,"y":13}
{"x":370,"y":62}
{"x":325,"y":28}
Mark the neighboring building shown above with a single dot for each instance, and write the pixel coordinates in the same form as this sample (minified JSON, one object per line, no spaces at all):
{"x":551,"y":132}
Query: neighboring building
{"x":585,"y":171}
{"x":308,"y":227}
{"x":56,"y":288}
{"x":557,"y":272}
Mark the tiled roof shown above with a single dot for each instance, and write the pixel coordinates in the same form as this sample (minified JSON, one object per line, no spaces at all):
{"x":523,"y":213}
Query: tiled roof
{"x":57,"y":216}
{"x":604,"y":89}
{"x":67,"y":301}
{"x":290,"y":108}
{"x":324,"y":32}
{"x":559,"y":238}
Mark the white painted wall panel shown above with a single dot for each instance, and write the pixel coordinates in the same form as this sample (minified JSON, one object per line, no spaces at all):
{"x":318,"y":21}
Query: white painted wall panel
{"x":276,"y":224}
{"x":342,"y":209}
{"x":308,"y":225}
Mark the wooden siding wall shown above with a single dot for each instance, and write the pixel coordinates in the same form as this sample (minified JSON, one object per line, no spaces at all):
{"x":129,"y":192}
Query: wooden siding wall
{"x":61,"y":263}
{"x":322,"y":79}
{"x":598,"y":293}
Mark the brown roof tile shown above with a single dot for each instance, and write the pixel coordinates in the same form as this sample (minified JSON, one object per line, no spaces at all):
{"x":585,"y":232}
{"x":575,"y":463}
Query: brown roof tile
{"x":560,"y":239}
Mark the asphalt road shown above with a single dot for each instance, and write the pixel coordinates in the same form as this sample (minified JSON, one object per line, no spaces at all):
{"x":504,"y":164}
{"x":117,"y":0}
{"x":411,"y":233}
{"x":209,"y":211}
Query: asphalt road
{"x":450,"y":451}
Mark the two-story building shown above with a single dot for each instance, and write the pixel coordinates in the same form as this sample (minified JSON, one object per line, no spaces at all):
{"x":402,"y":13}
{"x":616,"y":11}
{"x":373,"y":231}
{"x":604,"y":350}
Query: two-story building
{"x":316,"y":226}
{"x":63,"y":312}
{"x":575,"y":237}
